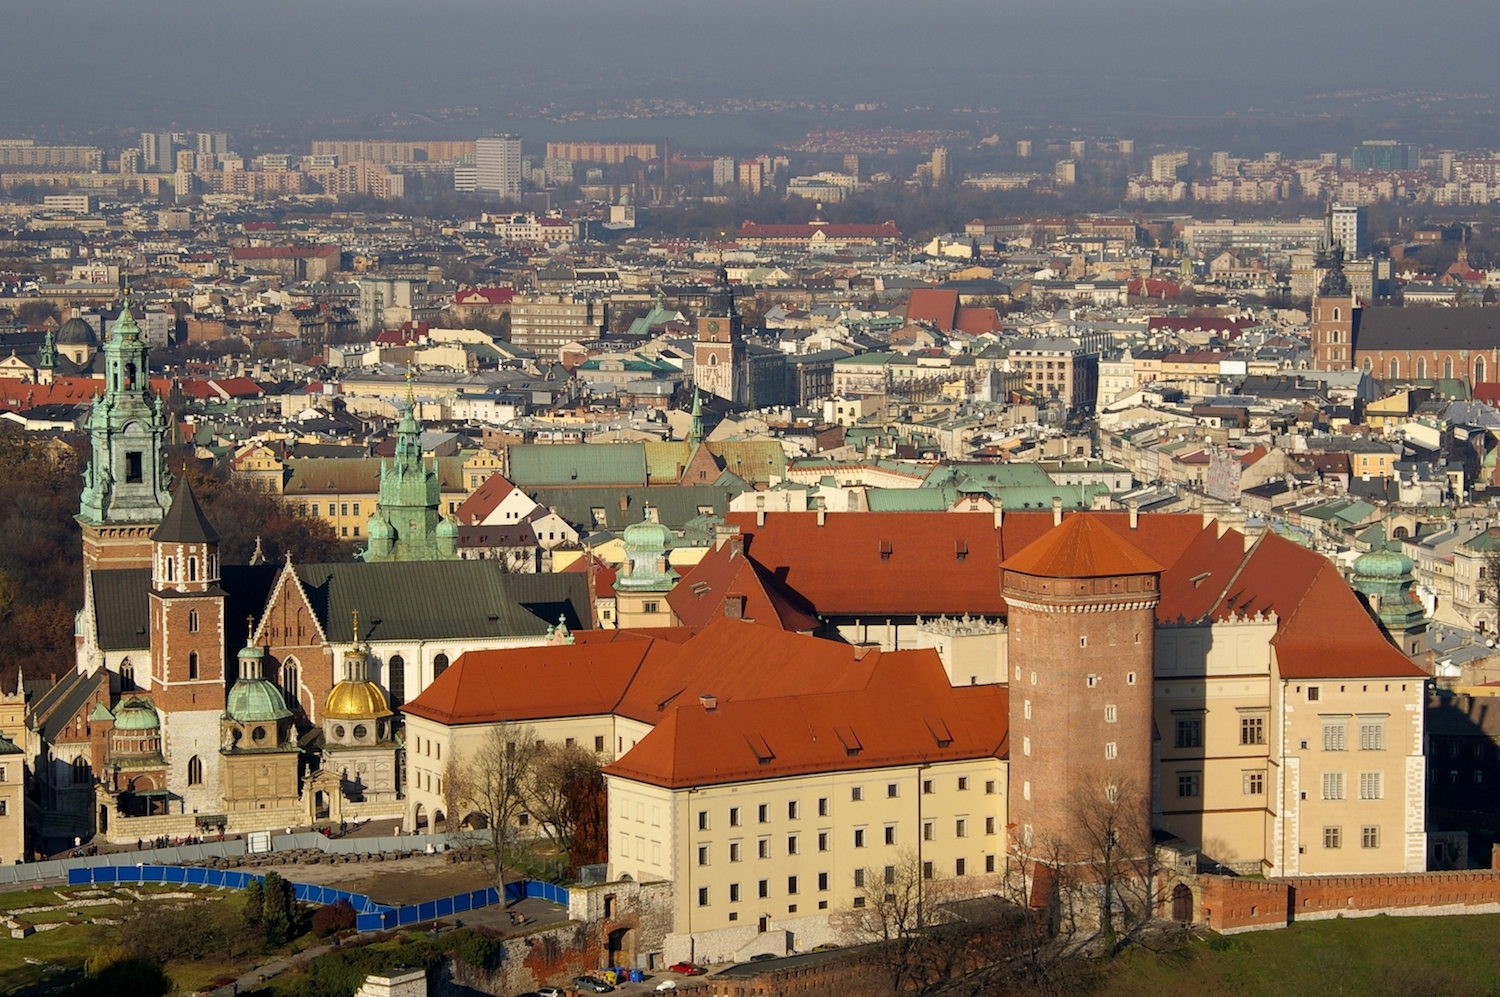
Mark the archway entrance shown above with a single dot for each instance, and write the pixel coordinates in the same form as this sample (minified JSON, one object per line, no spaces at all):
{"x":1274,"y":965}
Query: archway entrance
{"x":421,"y":818}
{"x":622,"y":947}
{"x":1182,"y":903}
{"x":321,"y":805}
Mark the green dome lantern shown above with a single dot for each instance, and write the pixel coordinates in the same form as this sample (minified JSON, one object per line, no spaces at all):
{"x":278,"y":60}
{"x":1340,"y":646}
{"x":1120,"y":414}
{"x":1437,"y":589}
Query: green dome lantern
{"x":137,"y":714}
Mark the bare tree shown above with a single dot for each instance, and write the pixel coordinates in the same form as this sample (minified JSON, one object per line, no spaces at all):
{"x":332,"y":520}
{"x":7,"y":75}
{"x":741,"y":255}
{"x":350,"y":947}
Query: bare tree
{"x":557,"y":791}
{"x":493,"y":781}
{"x":1114,"y":857}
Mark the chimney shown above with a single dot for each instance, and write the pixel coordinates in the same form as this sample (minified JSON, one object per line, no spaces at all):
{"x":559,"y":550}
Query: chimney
{"x":760,"y":517}
{"x":734,"y":607}
{"x":652,"y":514}
{"x":1135,"y":514}
{"x":1057,"y":510}
{"x":860,"y":650}
{"x":710,"y":702}
{"x":999,"y":513}
{"x":822,"y":516}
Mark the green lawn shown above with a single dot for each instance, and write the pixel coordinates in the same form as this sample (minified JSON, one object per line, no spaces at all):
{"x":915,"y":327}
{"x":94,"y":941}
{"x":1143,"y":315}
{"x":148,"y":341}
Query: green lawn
{"x":1359,"y":957}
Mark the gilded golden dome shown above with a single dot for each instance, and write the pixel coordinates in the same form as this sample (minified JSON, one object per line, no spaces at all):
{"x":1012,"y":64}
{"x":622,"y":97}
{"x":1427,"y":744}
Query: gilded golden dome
{"x":356,"y":700}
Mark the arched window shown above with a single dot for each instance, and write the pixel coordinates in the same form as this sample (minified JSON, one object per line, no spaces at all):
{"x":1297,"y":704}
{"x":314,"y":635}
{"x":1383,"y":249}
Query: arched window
{"x":439,"y":665}
{"x":171,"y":569}
{"x":129,"y":376}
{"x":1421,"y":368}
{"x":192,"y":569}
{"x":291,"y":681}
{"x":195,"y":771}
{"x":1335,"y":314}
{"x":80,"y":771}
{"x":713,"y":360}
{"x":127,"y":676}
{"x":395,"y":680}
{"x":1447,"y":366}
{"x":1479,"y":370}
{"x":213,"y":565}
{"x":1395,"y":367}
{"x":192,"y":621}
{"x":1368,"y":365}
{"x":193,"y":665}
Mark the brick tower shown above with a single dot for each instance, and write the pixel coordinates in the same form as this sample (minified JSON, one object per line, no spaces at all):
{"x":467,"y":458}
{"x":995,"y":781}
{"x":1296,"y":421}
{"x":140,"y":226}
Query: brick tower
{"x":187,"y":649}
{"x":1082,"y":603}
{"x":1334,"y":313}
{"x":719,"y":353}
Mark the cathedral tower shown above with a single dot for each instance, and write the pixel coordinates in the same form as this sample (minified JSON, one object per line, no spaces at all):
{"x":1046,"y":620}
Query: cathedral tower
{"x":125,"y":485}
{"x":408,"y":524}
{"x":1082,"y":602}
{"x":1334,"y":316}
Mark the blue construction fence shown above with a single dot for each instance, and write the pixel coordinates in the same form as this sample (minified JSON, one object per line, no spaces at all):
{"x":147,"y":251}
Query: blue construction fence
{"x":369,"y":915}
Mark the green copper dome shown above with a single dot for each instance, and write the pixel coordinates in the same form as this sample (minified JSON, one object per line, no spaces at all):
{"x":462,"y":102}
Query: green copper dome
{"x":647,"y":535}
{"x":447,"y":528}
{"x":256,"y":699}
{"x":137,"y":714}
{"x":1382,"y":562}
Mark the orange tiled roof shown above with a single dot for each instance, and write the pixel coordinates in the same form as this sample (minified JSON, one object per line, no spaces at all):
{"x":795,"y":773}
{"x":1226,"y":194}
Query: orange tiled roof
{"x":699,"y":597}
{"x":1082,"y":547}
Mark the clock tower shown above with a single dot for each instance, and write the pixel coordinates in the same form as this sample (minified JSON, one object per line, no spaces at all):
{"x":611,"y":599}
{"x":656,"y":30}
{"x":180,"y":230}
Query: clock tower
{"x":719,"y":354}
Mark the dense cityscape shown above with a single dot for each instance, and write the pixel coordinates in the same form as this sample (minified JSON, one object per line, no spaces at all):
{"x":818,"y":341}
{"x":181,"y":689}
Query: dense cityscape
{"x":887,"y":551}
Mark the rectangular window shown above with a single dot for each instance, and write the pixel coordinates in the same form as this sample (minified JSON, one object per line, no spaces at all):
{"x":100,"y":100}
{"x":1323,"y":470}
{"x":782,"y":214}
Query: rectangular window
{"x":793,"y":810}
{"x":599,"y":743}
{"x":961,"y":828}
{"x":1371,"y":735}
{"x":823,"y":806}
{"x":859,"y":879}
{"x":356,"y":508}
{"x":892,"y":790}
{"x":1255,"y":783}
{"x":764,"y":813}
{"x":1333,"y":785}
{"x":1252,"y":730}
{"x":734,"y":893}
{"x":763,"y":847}
{"x":703,"y":855}
{"x":989,"y":863}
{"x":822,"y":841}
{"x":703,"y":820}
{"x":315,"y":509}
{"x":702,"y":896}
{"x":1111,"y":750}
{"x":1111,"y":715}
{"x":1369,"y":836}
{"x":989,"y":787}
{"x":764,"y":888}
{"x":1189,"y":784}
{"x":958,"y":867}
{"x":857,"y":793}
{"x":791,"y":885}
{"x":859,"y":837}
{"x":1334,"y":737}
{"x":1371,"y":786}
{"x":989,"y":825}
{"x":963,"y":783}
{"x":1189,"y":732}
{"x":791,"y":844}
{"x":929,"y":831}
{"x":1333,"y":837}
{"x":343,"y":508}
{"x":926,"y":870}
{"x":822,"y":882}
{"x":734,"y":851}
{"x":890,"y":834}
{"x":734,"y":816}
{"x":133,"y":468}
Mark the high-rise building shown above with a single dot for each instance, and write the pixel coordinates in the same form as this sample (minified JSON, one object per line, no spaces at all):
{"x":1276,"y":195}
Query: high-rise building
{"x":1350,"y":228}
{"x":156,"y":151}
{"x":497,"y":165}
{"x":1023,"y":148}
{"x":213,"y":143}
{"x":1065,"y":173}
{"x":1164,"y":165}
{"x":1077,"y":147}
{"x":1385,"y":154}
{"x":752,"y":176}
{"x":939,"y":164}
{"x":851,"y":163}
{"x":723,"y":172}
{"x":1127,"y":147}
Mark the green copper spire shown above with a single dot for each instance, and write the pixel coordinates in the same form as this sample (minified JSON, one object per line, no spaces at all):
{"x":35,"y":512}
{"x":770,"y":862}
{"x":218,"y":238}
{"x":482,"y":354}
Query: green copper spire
{"x":408,"y":524}
{"x":695,"y":431}
{"x":126,"y":481}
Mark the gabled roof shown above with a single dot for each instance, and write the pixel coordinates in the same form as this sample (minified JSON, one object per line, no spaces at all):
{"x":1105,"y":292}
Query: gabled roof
{"x":485,"y":500}
{"x":725,"y":571}
{"x":933,"y":304}
{"x":578,"y":464}
{"x":1081,"y":547}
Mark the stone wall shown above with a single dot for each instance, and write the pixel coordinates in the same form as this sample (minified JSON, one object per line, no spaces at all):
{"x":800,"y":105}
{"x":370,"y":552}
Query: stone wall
{"x":1232,"y":905}
{"x":549,"y":956}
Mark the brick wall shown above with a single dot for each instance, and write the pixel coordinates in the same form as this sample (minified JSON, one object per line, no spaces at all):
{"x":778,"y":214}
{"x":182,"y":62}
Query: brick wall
{"x":1233,"y":905}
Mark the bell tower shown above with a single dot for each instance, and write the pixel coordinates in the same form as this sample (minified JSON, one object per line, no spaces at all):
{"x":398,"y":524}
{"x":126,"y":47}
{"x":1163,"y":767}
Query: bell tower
{"x":125,"y":485}
{"x":1334,"y":317}
{"x":187,"y":609}
{"x":719,"y":354}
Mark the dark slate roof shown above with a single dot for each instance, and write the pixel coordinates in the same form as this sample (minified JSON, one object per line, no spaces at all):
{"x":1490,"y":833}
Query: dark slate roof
{"x":1427,"y":329}
{"x":121,"y":609}
{"x":551,"y":596}
{"x":675,"y":504}
{"x":420,"y":600}
{"x":185,"y":522}
{"x":57,"y":708}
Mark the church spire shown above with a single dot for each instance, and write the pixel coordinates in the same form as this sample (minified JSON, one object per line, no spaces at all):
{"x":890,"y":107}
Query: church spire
{"x":695,"y":430}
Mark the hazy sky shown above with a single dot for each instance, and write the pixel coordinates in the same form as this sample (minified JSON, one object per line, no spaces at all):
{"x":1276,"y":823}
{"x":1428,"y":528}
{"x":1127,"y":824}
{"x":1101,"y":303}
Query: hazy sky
{"x":152,"y":62}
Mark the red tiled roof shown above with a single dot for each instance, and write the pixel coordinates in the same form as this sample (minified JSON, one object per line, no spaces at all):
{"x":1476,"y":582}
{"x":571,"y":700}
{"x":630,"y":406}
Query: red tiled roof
{"x":486,"y":295}
{"x":699,"y":597}
{"x":477,"y":507}
{"x":1082,"y":547}
{"x":1324,"y":630}
{"x":978,"y":321}
{"x":935,"y":305}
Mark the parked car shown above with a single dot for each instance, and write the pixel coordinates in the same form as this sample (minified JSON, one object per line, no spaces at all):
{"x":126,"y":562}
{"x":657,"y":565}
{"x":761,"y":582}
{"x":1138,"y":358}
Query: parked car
{"x":666,"y":985}
{"x":686,"y":969}
{"x":549,"y":992}
{"x":763,"y":956}
{"x":825,"y":947}
{"x":591,"y":985}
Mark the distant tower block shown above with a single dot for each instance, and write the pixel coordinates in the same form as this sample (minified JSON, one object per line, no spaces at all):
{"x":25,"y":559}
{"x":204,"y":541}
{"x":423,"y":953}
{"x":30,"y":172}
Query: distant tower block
{"x":1023,"y":148}
{"x":1082,"y":603}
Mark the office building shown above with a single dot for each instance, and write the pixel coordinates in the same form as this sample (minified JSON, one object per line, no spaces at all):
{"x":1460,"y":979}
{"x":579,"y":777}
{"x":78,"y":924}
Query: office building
{"x":497,"y":165}
{"x":1351,"y":229}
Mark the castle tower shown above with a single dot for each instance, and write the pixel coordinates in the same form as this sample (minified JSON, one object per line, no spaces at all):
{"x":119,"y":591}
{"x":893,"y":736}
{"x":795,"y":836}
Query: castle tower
{"x":125,"y":485}
{"x":187,"y":648}
{"x":719,"y":354}
{"x":1082,"y":603}
{"x":1335,"y":315}
{"x":408,"y":524}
